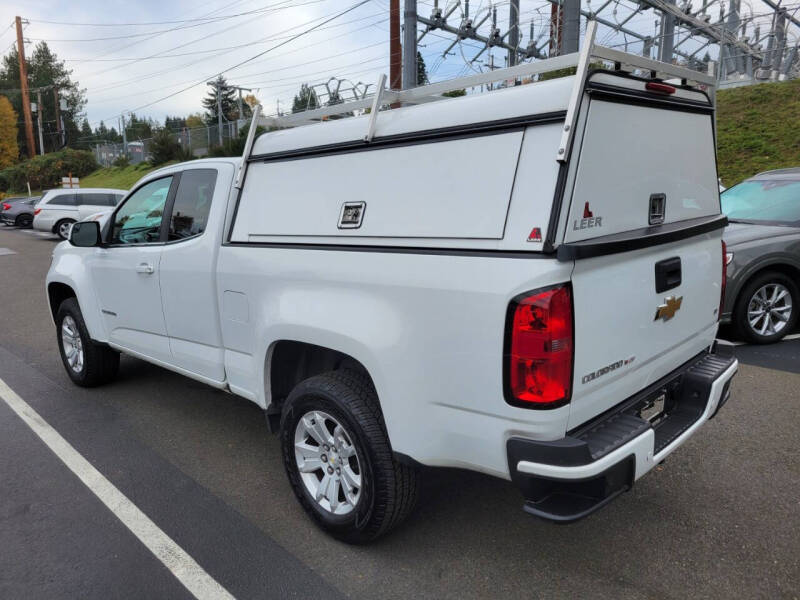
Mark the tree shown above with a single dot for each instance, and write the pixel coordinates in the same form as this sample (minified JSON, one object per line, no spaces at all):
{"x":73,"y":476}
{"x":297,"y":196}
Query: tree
{"x":195,"y":121}
{"x":9,"y":149}
{"x":251,"y":101}
{"x":422,"y":73}
{"x":137,"y":128}
{"x":228,"y":101}
{"x":174,"y":123}
{"x":163,"y":148}
{"x":45,"y":71}
{"x":306,"y":99}
{"x":86,"y":135}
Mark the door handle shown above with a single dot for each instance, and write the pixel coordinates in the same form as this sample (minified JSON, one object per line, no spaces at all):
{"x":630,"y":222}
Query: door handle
{"x":145,"y":268}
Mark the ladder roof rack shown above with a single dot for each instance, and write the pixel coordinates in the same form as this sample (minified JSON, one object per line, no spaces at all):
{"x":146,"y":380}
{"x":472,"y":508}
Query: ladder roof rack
{"x":581,"y":61}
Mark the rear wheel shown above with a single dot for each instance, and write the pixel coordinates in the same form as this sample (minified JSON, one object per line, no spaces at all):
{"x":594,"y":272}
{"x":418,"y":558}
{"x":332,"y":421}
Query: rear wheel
{"x":767,"y":308}
{"x":24,"y":221}
{"x":62,"y":228}
{"x":339,"y":461}
{"x":87,"y":363}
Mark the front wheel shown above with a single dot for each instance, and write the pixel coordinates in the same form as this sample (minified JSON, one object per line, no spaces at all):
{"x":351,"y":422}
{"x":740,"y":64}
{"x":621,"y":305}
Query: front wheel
{"x":339,"y":461}
{"x":63,"y":227}
{"x":767,"y":308}
{"x":87,"y":363}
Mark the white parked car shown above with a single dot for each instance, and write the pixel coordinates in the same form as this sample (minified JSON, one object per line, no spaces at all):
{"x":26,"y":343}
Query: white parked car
{"x":59,"y":209}
{"x":453,"y":284}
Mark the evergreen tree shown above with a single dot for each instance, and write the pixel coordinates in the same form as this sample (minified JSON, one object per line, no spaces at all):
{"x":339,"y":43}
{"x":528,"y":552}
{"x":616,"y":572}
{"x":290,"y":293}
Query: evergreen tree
{"x":85,"y":139}
{"x":138,"y":128}
{"x":174,"y":123}
{"x":305,"y":99}
{"x":228,"y":101}
{"x":422,"y":72}
{"x":45,"y":70}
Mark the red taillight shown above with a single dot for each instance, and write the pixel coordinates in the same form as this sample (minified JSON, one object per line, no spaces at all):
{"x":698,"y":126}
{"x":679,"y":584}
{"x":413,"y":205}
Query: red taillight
{"x":37,"y":211}
{"x":539,"y":348}
{"x":6,"y":206}
{"x":724,"y":279}
{"x":659,"y":88}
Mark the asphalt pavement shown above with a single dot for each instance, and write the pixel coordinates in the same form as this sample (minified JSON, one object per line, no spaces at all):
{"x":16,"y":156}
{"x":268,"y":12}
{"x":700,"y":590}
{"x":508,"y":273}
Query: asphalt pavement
{"x":719,"y":519}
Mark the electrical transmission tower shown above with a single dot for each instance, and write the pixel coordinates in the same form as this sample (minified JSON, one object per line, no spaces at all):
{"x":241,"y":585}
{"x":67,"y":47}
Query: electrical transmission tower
{"x":685,"y":34}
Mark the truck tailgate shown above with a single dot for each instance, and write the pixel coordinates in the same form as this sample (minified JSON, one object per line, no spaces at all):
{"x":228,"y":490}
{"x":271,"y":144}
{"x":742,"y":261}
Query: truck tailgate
{"x":644,"y":229}
{"x":625,"y":338}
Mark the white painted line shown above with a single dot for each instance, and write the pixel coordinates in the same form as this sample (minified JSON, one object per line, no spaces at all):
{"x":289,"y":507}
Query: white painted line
{"x":792,"y":336}
{"x":175,"y":558}
{"x":6,"y":251}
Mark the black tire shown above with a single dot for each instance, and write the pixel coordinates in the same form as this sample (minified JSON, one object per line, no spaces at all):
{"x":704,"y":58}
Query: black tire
{"x":389,"y":489}
{"x":100,"y":363}
{"x":62,"y":227}
{"x":740,"y":314}
{"x":24,"y":221}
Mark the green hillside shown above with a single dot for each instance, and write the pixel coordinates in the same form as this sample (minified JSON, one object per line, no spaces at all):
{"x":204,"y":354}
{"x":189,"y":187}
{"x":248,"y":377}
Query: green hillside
{"x":758,"y":128}
{"x":121,"y":178}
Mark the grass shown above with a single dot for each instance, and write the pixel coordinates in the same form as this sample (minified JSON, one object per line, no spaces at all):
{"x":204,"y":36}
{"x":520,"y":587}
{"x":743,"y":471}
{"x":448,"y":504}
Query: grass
{"x":758,"y":128}
{"x":121,"y":178}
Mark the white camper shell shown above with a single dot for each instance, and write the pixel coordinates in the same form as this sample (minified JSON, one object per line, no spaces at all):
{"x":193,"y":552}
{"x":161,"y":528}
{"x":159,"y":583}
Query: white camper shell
{"x":524,"y":282}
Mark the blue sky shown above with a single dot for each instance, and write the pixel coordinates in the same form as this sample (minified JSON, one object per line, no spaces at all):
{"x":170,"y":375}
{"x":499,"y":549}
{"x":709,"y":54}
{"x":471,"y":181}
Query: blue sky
{"x":125,"y":65}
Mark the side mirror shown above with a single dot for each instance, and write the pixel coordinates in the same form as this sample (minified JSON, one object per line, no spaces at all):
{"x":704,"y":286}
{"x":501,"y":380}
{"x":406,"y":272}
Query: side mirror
{"x":85,"y":234}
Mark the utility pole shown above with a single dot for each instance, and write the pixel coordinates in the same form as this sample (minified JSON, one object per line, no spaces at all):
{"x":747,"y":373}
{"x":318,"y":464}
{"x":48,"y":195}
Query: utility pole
{"x":571,"y":10}
{"x":58,"y":117}
{"x":124,"y":137}
{"x":410,"y":45}
{"x":395,"y":53}
{"x":513,"y":31}
{"x":23,"y":84}
{"x":666,"y":42}
{"x":217,"y":87}
{"x":39,"y":119}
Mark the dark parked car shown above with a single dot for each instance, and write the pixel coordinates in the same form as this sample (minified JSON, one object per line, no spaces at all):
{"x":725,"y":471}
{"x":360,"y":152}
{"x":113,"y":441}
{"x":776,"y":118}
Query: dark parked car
{"x":18,"y":211}
{"x":763,"y":239}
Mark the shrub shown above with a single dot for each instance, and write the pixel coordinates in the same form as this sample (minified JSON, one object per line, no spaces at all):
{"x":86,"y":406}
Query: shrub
{"x":121,"y":161}
{"x":47,"y":170}
{"x":163,"y":148}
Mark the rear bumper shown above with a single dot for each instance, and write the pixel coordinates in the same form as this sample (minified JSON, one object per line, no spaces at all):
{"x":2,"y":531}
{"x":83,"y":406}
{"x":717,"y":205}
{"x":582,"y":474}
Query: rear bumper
{"x":568,"y":479}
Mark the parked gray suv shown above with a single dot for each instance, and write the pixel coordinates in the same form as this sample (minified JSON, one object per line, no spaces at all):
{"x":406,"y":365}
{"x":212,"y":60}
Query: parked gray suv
{"x":763,"y":255}
{"x":18,"y":211}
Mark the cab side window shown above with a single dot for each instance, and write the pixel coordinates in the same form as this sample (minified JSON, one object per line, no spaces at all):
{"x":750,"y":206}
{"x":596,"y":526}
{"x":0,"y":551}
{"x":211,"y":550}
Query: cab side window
{"x":192,"y":203}
{"x":138,"y":220}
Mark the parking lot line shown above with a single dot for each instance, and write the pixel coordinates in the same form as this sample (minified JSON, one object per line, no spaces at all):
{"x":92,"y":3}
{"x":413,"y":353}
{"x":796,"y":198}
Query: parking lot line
{"x":181,"y":565}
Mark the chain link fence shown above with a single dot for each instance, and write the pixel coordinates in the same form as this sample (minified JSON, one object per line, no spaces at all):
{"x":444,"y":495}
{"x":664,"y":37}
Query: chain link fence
{"x":198,"y":141}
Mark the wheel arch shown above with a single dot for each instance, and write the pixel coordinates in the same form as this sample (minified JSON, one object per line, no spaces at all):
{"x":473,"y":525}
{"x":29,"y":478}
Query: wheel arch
{"x":288,"y":362}
{"x":57,"y":292}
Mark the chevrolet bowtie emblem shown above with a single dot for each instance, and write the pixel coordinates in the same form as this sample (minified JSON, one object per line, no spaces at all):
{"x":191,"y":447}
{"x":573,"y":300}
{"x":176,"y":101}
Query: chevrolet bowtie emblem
{"x":667,"y":310}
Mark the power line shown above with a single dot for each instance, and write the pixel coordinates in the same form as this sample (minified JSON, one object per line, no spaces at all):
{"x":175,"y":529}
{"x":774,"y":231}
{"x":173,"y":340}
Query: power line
{"x":204,"y":38}
{"x":211,"y":50}
{"x":239,"y":64}
{"x":203,"y":22}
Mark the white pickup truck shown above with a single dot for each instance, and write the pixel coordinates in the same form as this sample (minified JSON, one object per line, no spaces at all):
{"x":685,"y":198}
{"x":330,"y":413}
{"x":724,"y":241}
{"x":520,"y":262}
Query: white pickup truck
{"x":524,"y":282}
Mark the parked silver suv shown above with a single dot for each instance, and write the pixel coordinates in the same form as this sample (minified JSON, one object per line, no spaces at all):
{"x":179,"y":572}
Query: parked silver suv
{"x":59,"y":209}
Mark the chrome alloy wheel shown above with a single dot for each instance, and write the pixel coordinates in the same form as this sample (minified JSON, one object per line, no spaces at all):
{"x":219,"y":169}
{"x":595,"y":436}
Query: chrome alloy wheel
{"x":769,"y":309}
{"x":63,"y":229}
{"x":72,"y":344}
{"x":328,"y":462}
